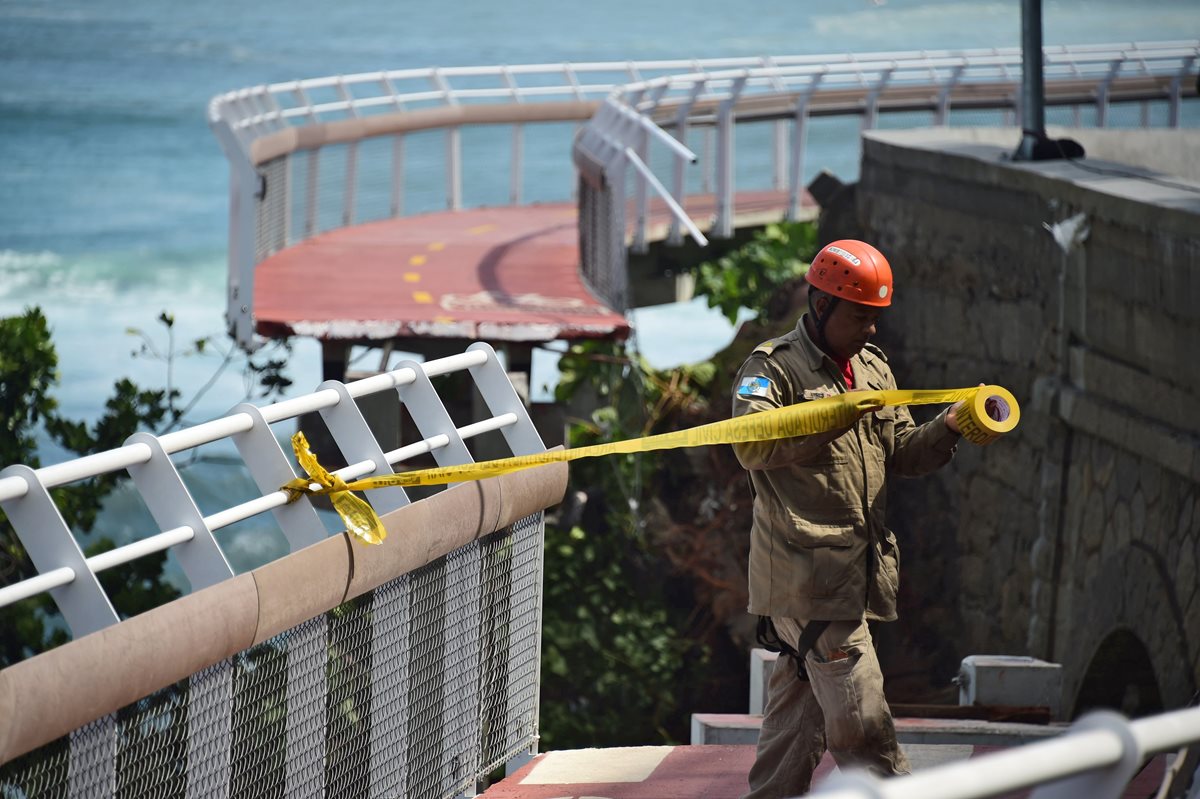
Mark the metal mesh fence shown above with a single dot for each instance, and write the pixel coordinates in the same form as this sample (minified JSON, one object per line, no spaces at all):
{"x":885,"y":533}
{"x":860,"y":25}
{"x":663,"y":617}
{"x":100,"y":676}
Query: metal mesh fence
{"x":602,"y":242}
{"x":271,"y":225}
{"x":417,"y":689}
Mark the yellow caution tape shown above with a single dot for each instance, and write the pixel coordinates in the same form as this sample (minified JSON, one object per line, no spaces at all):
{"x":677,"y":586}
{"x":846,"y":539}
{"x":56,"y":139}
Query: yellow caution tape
{"x":991,"y":412}
{"x":359,"y":517}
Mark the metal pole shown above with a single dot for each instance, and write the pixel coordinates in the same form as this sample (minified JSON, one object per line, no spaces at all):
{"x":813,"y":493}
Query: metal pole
{"x":1033,"y":106}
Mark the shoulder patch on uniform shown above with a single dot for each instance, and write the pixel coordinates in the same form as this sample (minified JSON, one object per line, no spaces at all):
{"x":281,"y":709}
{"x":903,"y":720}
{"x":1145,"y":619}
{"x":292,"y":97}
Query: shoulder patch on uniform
{"x":874,"y":350}
{"x":754,"y":387}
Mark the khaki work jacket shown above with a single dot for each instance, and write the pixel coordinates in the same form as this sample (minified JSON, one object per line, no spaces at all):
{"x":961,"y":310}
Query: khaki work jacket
{"x":818,"y":546}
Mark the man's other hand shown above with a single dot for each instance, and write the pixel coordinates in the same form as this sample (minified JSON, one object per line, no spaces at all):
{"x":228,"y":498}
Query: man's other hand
{"x":952,"y":416}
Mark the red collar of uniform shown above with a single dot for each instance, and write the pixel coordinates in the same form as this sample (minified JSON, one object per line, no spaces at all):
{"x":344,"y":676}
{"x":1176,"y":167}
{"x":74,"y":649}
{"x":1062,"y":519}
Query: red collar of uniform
{"x":847,"y":371}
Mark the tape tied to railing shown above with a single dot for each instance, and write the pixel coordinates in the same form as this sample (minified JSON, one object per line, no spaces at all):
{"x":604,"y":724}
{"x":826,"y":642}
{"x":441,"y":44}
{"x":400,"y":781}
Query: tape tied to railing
{"x":987,"y":413}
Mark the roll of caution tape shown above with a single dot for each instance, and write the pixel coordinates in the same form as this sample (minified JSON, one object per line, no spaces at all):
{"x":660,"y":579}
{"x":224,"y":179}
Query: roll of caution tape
{"x":989,"y":414}
{"x":991,"y":411}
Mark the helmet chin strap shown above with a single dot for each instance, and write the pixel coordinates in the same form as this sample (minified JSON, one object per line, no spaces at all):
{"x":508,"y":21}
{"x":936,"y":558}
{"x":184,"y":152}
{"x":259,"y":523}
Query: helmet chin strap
{"x":823,"y":319}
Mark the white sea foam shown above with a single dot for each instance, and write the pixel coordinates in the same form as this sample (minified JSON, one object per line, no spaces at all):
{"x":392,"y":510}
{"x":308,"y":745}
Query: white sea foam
{"x":16,"y":260}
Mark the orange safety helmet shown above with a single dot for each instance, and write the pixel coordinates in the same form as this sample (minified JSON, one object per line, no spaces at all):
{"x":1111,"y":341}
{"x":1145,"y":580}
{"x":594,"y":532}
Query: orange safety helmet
{"x":854,"y":271}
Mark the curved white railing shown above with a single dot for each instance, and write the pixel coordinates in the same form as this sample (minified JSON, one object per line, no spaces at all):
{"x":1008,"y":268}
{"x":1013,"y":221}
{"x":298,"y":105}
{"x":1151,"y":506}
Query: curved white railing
{"x":70,"y":577}
{"x":278,"y":198}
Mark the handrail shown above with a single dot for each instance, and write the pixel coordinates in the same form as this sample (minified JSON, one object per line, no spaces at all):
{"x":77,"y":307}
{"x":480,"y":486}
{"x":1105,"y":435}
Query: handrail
{"x":70,"y":577}
{"x":1096,"y":758}
{"x":263,"y":128}
{"x":289,"y":100}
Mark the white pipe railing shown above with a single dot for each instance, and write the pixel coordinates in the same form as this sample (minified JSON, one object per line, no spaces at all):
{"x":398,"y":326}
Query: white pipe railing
{"x":1096,"y":759}
{"x":70,"y":577}
{"x":679,"y":93}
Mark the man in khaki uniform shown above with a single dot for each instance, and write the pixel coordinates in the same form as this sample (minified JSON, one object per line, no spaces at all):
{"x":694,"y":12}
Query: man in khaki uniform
{"x":821,"y":559}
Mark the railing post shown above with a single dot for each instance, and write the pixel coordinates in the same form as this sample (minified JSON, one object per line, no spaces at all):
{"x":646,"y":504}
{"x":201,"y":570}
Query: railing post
{"x":351,"y":187}
{"x":779,"y":170}
{"x":397,"y":187}
{"x":679,"y":185}
{"x":1103,"y":92}
{"x":723,"y":228}
{"x":348,"y":201}
{"x":517,"y":166}
{"x":642,"y":193}
{"x":501,"y":398}
{"x":799,"y":143}
{"x":518,"y":159}
{"x":871,"y":111}
{"x":454,"y":168}
{"x":707,"y":166}
{"x":270,"y":469}
{"x":311,"y":194}
{"x":1176,"y":92}
{"x":453,"y":147}
{"x":48,"y":541}
{"x":398,"y":175}
{"x":942,"y":115}
{"x":356,"y":442}
{"x":168,"y":500}
{"x":243,"y":231}
{"x":431,"y":417}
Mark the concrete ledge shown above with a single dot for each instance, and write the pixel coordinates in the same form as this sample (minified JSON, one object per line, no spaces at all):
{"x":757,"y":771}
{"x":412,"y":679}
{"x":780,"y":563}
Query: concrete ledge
{"x":1125,"y":194}
{"x":728,"y":729}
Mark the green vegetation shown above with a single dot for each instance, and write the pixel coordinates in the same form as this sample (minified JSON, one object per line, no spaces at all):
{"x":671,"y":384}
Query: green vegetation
{"x":28,"y":377}
{"x":750,"y":276}
{"x":28,"y":374}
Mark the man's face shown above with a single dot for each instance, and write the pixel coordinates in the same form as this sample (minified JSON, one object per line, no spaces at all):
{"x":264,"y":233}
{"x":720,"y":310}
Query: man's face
{"x":849,"y":328}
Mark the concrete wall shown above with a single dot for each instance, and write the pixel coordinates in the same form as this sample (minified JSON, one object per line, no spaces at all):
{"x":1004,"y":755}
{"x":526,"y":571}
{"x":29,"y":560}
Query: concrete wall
{"x":1082,"y":526}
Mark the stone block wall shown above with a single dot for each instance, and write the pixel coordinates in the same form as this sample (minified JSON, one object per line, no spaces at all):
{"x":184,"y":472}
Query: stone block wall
{"x":1075,"y":539}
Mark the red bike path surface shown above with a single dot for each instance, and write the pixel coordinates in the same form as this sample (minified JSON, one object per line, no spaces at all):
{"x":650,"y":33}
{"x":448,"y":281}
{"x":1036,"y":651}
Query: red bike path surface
{"x":499,"y":274}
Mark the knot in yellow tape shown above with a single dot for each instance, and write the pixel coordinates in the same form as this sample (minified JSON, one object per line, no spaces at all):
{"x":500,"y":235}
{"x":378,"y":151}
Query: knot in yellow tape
{"x":359,"y":517}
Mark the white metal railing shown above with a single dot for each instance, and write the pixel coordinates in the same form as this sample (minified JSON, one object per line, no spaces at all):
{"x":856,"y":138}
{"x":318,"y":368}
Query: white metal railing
{"x":70,"y":577}
{"x":1096,"y":759}
{"x":795,"y":89}
{"x":716,"y":94}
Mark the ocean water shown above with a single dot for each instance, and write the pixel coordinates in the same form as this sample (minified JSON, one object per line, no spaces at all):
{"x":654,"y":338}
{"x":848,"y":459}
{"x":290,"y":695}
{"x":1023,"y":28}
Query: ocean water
{"x":113,"y":191}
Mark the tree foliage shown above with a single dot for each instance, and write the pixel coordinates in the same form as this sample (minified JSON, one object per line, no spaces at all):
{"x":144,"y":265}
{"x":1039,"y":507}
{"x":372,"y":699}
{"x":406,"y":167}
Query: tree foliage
{"x":749,"y":276}
{"x":29,"y":410}
{"x":618,"y":657}
{"x":28,"y":375}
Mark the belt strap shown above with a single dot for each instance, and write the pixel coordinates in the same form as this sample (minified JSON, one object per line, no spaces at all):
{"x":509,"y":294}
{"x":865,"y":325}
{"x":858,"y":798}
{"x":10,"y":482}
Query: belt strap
{"x":769,"y":639}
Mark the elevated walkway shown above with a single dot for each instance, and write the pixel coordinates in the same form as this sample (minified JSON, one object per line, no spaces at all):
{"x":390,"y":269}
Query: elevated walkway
{"x":508,"y":273}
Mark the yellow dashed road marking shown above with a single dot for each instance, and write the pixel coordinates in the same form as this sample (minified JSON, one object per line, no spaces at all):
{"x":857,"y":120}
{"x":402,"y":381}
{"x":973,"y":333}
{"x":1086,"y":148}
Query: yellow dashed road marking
{"x":443,"y":319}
{"x":437,"y":246}
{"x":416,"y":260}
{"x":475,"y":231}
{"x":411,"y":277}
{"x":422,"y":297}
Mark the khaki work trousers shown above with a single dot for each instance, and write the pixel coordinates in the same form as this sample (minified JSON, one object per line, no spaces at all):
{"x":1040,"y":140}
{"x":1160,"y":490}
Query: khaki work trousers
{"x":841,"y":706}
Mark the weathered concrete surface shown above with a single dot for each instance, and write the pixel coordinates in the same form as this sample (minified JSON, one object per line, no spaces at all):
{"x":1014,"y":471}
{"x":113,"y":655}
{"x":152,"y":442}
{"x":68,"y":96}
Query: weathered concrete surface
{"x":1076,"y":539}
